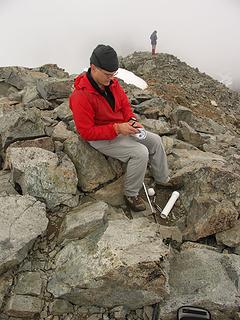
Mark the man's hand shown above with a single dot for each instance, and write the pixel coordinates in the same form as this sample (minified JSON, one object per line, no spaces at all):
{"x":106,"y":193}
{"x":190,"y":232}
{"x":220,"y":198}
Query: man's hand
{"x":135,"y":124}
{"x":125,"y":128}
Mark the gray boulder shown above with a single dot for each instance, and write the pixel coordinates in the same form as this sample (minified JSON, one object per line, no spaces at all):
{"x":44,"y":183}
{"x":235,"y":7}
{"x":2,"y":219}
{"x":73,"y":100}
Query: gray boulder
{"x":210,"y":196}
{"x":5,"y":185}
{"x":23,"y":306}
{"x":6,"y":282}
{"x":230,"y":237}
{"x":92,"y":167}
{"x":112,"y":193}
{"x":20,"y":77}
{"x":29,"y":283}
{"x":52,"y":70}
{"x":54,"y":88}
{"x":63,"y":111}
{"x":45,"y":175}
{"x":202,"y":277}
{"x":188,"y":134}
{"x":83,"y":220}
{"x":159,"y":126}
{"x":125,"y":264}
{"x":17,"y":123}
{"x":22,"y":219}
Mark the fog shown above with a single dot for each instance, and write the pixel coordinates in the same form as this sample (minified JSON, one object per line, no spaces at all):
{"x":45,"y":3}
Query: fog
{"x":204,"y":33}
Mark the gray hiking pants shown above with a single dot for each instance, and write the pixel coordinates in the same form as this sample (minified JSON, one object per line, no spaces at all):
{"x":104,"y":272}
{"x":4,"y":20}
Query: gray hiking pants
{"x":136,"y":153}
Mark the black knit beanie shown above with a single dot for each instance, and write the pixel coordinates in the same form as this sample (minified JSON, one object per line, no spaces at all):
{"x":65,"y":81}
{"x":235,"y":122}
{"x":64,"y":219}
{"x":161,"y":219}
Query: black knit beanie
{"x":104,"y":57}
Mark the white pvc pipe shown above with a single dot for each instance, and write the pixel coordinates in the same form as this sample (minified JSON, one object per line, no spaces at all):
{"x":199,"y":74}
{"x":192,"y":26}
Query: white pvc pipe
{"x":170,"y":204}
{"x":148,"y":199}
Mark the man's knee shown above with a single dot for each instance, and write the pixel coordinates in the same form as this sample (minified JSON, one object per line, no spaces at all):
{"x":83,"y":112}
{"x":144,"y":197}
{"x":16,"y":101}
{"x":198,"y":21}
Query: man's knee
{"x":141,"y":152}
{"x":157,"y":140}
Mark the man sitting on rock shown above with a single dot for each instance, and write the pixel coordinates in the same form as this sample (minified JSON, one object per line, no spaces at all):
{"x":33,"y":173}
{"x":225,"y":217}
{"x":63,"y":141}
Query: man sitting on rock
{"x":103,"y":117}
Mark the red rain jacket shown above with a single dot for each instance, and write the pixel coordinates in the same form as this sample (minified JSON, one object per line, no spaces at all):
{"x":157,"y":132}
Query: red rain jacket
{"x":92,"y":114}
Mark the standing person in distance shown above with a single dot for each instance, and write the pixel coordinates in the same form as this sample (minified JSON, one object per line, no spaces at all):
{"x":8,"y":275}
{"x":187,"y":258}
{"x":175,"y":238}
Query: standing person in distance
{"x":104,"y":118}
{"x":153,"y":38}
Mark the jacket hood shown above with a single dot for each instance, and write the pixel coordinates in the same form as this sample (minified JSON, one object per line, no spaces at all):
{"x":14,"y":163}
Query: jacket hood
{"x":79,"y":81}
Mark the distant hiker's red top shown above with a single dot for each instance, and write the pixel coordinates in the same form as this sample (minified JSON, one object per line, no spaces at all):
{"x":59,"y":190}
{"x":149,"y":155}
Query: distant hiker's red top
{"x":93,"y":116}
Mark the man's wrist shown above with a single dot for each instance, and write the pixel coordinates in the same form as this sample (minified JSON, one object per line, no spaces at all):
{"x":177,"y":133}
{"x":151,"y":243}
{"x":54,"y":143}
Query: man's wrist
{"x":116,"y":128}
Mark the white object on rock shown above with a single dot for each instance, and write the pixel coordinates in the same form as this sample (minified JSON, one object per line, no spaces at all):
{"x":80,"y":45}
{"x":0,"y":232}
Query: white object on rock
{"x":141,"y":135}
{"x":151,"y":192}
{"x":170,"y":204}
{"x":214,"y":103}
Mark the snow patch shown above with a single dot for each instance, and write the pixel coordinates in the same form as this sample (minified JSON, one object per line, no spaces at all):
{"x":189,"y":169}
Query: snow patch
{"x":130,"y":78}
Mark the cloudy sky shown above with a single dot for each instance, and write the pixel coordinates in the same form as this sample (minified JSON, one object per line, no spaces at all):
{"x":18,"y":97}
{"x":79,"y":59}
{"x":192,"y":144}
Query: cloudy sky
{"x":203,"y":33}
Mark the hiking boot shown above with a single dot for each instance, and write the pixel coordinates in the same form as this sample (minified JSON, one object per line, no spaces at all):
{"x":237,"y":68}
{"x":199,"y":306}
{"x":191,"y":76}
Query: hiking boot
{"x":136,"y":203}
{"x":169,"y":184}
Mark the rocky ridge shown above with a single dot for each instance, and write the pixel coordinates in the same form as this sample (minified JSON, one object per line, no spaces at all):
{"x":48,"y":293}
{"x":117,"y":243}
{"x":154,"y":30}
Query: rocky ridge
{"x":70,"y":249}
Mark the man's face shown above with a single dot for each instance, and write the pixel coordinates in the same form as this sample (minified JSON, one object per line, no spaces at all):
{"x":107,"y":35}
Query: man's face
{"x":102,"y":77}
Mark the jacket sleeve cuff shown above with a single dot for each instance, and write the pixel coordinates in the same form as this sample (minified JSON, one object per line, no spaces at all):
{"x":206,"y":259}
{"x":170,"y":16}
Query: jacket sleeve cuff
{"x":116,"y":128}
